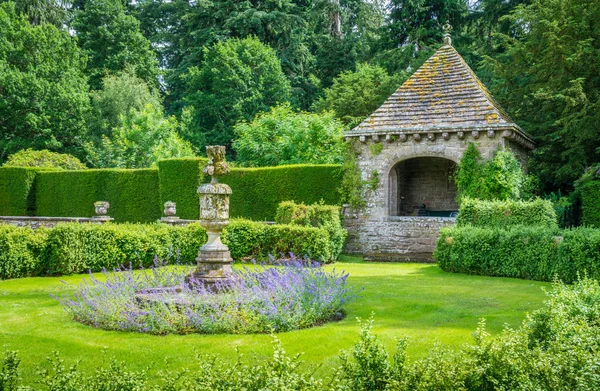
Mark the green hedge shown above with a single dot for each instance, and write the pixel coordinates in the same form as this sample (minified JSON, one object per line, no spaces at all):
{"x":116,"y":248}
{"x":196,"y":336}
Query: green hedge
{"x":318,"y":215}
{"x":20,"y":251}
{"x":16,"y":195}
{"x":248,"y":239}
{"x":536,"y":253}
{"x":590,"y":203}
{"x":258,"y":191}
{"x":507,"y":213}
{"x":133,"y":194}
{"x":179,"y":180}
{"x":78,"y":248}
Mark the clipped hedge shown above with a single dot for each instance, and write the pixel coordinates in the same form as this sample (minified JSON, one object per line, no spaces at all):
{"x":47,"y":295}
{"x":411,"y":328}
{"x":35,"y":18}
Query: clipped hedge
{"x":16,"y":195}
{"x":506,"y":213}
{"x":318,"y":215}
{"x":590,"y":203}
{"x":528,"y":252}
{"x":179,"y":180}
{"x":78,"y":248}
{"x":248,"y":239}
{"x":133,"y":194}
{"x":20,"y":251}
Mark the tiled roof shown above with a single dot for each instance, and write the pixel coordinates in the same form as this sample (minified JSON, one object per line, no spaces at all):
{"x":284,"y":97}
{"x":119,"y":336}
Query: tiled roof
{"x":443,"y":95}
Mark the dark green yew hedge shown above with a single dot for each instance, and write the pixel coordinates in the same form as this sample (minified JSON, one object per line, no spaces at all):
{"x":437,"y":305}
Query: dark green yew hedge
{"x":16,"y":191}
{"x":138,"y":195}
{"x":133,"y":194}
{"x":178,"y":182}
{"x":528,"y":252}
{"x":590,"y":203}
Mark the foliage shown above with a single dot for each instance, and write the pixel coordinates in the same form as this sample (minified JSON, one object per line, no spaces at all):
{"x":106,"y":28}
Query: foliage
{"x":567,"y":208}
{"x":529,"y":252}
{"x":355,"y":95}
{"x":249,"y":240}
{"x":178,"y":182}
{"x":44,"y":11}
{"x":113,"y":41}
{"x":354,"y":187}
{"x":282,"y":136}
{"x":316,"y":215}
{"x":258,"y":191}
{"x":504,"y":214}
{"x":17,"y":191}
{"x":590,"y":203}
{"x":121,"y":94}
{"x":45,"y":159}
{"x":44,"y":101}
{"x":256,"y":300}
{"x":238,"y":79}
{"x":546,"y":75}
{"x":20,"y":252}
{"x":142,"y":139}
{"x":500,"y":178}
{"x":132,"y":194}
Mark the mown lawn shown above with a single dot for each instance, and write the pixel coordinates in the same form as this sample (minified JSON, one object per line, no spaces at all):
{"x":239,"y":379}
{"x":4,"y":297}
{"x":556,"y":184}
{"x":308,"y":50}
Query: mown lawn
{"x":415,"y":300}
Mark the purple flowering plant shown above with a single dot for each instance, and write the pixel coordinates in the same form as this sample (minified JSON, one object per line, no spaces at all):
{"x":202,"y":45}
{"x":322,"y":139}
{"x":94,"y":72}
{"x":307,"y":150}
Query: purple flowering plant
{"x":287,"y":295}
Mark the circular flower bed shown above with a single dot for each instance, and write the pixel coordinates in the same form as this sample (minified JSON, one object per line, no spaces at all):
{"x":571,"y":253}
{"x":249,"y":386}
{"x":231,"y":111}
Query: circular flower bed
{"x":259,"y":299}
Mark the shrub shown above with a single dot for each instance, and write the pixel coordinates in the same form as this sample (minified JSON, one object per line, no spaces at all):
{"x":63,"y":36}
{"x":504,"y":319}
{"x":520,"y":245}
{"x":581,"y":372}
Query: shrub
{"x":297,"y":295}
{"x":506,"y":213}
{"x":178,"y":182}
{"x":283,"y":136}
{"x":45,"y":159}
{"x":590,"y":203}
{"x":20,"y":250}
{"x":255,"y":240}
{"x":316,"y":215}
{"x":132,"y":194}
{"x":527,"y":252}
{"x":78,"y":248}
{"x":16,"y":195}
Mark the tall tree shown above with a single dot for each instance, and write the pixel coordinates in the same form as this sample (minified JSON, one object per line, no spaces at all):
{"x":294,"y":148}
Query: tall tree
{"x":55,"y":12}
{"x":113,"y":41}
{"x":43,"y":99}
{"x":549,"y":78}
{"x":238,"y":79}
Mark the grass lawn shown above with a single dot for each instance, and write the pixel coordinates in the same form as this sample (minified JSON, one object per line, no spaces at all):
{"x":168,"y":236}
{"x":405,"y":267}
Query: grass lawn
{"x":416,"y":300}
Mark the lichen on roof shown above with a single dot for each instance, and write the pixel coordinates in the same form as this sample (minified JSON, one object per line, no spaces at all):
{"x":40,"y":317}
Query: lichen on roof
{"x":443,"y":93}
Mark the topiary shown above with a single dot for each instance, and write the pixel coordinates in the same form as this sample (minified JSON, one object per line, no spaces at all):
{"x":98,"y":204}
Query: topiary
{"x":44,"y":158}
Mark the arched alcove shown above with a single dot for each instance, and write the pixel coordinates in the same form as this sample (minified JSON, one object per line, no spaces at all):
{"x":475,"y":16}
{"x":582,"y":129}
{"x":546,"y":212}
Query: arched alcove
{"x":422,"y":186}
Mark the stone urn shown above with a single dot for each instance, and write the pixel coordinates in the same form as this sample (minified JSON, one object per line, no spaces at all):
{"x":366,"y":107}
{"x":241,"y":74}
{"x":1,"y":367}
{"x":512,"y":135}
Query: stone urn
{"x":101,"y":208}
{"x":214,"y":259}
{"x":170,"y":209}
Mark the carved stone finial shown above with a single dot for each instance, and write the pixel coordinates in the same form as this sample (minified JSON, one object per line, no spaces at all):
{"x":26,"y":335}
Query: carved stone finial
{"x":447,"y":29}
{"x":217,"y":165}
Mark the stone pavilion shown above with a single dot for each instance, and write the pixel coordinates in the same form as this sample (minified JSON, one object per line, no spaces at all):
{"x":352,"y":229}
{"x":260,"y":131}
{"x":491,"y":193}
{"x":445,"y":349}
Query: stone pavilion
{"x":410,"y":147}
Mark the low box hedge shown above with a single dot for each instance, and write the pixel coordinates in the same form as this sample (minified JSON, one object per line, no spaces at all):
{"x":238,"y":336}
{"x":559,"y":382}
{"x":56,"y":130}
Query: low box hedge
{"x":506,"y":213}
{"x":528,"y":252}
{"x":21,"y":251}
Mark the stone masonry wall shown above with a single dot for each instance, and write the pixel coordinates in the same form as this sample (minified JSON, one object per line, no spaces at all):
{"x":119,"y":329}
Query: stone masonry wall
{"x":395,"y":238}
{"x":47,"y":222}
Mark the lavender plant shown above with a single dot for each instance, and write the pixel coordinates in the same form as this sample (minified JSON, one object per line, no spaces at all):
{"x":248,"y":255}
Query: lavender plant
{"x":291,"y":295}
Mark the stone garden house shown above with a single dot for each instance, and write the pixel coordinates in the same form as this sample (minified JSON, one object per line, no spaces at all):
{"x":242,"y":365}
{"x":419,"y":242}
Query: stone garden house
{"x":411,"y":145}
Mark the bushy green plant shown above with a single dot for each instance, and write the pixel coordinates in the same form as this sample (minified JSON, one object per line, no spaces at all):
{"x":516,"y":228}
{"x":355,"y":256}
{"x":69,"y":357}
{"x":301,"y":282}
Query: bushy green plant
{"x":529,"y":252}
{"x":142,"y":139}
{"x":78,"y":248}
{"x":20,"y":251}
{"x":590,"y":203}
{"x":316,"y":215}
{"x":259,"y":241}
{"x":506,"y":213}
{"x":45,"y":159}
{"x":283,"y":136}
{"x":500,"y":178}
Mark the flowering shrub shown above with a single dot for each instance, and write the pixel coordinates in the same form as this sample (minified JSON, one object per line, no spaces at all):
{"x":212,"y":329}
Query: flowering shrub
{"x":258,"y":299}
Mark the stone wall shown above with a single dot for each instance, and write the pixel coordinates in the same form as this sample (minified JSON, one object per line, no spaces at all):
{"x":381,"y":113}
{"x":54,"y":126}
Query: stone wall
{"x":398,"y":238}
{"x":48,"y":222}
